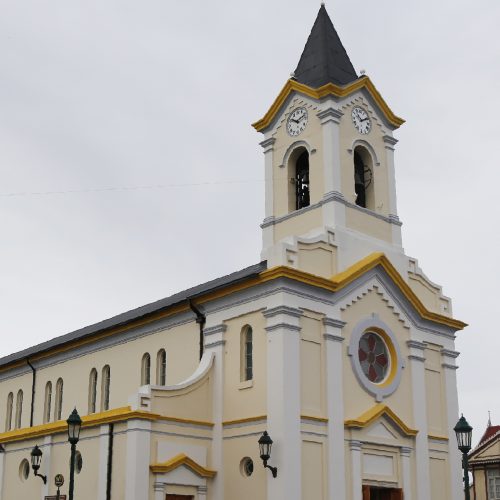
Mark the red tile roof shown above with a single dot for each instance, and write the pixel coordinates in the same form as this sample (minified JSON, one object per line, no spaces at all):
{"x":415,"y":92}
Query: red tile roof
{"x":490,"y":431}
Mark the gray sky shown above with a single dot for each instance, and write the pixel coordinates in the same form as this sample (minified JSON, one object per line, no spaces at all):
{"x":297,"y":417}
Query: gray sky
{"x":129,"y":170}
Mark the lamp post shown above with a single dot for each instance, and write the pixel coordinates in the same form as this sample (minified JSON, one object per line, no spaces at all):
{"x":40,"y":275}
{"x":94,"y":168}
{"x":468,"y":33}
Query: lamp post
{"x":464,"y":437}
{"x":36,"y":460}
{"x":265,"y":445}
{"x":74,"y":425}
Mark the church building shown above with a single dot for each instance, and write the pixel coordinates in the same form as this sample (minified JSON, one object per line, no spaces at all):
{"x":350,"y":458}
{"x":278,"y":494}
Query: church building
{"x":335,"y":343}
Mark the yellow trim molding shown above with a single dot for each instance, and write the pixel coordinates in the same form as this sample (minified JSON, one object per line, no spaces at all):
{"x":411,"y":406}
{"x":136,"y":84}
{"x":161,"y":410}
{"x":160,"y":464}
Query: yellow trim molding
{"x":248,"y":420}
{"x":322,"y":420}
{"x":375,"y":413}
{"x":437,"y":438}
{"x":96,"y":419}
{"x":324,"y":91}
{"x":179,"y":460}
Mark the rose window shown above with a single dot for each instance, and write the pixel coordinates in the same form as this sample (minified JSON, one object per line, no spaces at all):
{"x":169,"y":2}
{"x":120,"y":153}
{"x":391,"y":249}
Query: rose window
{"x":373,"y":357}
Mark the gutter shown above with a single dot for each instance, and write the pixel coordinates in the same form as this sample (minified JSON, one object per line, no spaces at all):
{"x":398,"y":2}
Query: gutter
{"x":201,"y":319}
{"x":110,"y":461}
{"x":32,"y":391}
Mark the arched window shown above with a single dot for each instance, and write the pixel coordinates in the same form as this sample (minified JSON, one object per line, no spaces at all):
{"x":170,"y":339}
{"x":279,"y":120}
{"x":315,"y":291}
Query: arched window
{"x":300,"y":162}
{"x":146,"y":369}
{"x":105,"y":383}
{"x":92,"y":390}
{"x":363,"y":178}
{"x":59,"y":399}
{"x":8,"y":416}
{"x":161,"y":367}
{"x":19,"y":409}
{"x":246,"y":353}
{"x":47,"y":402}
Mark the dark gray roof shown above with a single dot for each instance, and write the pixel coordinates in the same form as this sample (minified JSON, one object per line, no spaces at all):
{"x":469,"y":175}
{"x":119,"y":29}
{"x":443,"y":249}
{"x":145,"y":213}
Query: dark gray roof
{"x":324,"y":59}
{"x":140,"y":312}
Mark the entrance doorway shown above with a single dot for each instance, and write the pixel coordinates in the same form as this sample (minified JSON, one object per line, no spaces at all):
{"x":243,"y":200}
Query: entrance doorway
{"x":376,"y":493}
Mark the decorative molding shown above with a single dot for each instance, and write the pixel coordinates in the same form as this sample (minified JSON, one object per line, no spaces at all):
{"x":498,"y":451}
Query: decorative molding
{"x":333,"y":338}
{"x":334,"y":196}
{"x":434,"y":437}
{"x":330,"y":115}
{"x":405,"y":451}
{"x":212,"y":330}
{"x":282,"y":326}
{"x":416,"y":358}
{"x":268,"y":144}
{"x":316,"y":420}
{"x":391,"y":383}
{"x":415,"y":344}
{"x":271,"y":221}
{"x":215,"y":344}
{"x":295,"y":145}
{"x":177,"y":461}
{"x":449,"y":367}
{"x":390,"y":141}
{"x":286,"y":310}
{"x":333,"y":322}
{"x":355,"y":445}
{"x":292,"y":86}
{"x":449,"y":353}
{"x":245,"y":421}
{"x":368,"y":147}
{"x":377,"y":412}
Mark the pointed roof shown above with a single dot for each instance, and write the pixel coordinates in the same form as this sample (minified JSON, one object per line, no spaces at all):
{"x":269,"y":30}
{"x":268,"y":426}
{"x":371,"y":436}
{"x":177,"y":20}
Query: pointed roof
{"x":324,"y":59}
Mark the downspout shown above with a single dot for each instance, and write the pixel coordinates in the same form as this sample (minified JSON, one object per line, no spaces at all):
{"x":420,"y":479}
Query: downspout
{"x":110,"y":461}
{"x":32,"y":391}
{"x":201,"y":320}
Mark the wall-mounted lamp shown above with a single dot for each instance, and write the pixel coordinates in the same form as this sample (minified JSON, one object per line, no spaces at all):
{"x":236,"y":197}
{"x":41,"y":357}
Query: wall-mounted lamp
{"x":36,"y":460}
{"x":265,"y":445}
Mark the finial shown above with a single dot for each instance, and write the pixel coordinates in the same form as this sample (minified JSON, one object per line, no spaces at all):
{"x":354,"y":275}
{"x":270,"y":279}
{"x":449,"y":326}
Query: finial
{"x":489,"y":418}
{"x":323,"y":2}
{"x":292,"y":75}
{"x":362,"y":72}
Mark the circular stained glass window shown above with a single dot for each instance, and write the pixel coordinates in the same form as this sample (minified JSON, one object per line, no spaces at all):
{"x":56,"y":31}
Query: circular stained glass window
{"x":373,"y":357}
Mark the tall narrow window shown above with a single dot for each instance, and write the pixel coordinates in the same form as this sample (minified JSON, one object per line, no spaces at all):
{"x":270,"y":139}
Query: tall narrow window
{"x":105,"y":384}
{"x":19,"y":409}
{"x":59,"y":399}
{"x":161,"y":367}
{"x":8,"y":416}
{"x":246,"y":353}
{"x":146,"y":369}
{"x":363,"y":177}
{"x":92,"y":390}
{"x":47,"y":403}
{"x":302,"y":197}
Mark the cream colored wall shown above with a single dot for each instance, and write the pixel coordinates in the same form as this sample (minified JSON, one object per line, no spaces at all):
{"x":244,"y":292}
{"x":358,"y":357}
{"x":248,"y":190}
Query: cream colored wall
{"x":348,"y":135}
{"x":314,"y":484}
{"x":119,"y":458}
{"x":243,"y":399}
{"x":435,"y":390}
{"x":13,"y":385}
{"x":480,"y":485}
{"x":237,"y":486}
{"x":356,"y":399}
{"x":367,"y":224}
{"x":299,"y":225}
{"x":440,"y":477}
{"x":125,"y":364}
{"x":312,"y":365}
{"x":312,"y":135}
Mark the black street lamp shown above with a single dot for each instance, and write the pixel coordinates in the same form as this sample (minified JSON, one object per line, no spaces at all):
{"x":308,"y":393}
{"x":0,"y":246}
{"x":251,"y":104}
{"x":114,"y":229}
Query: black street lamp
{"x":464,"y":437}
{"x":36,"y":460}
{"x":265,"y":445}
{"x":74,"y":425}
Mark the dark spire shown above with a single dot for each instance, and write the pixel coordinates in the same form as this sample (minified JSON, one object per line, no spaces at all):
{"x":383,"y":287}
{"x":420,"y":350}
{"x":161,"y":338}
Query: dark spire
{"x":324,"y":59}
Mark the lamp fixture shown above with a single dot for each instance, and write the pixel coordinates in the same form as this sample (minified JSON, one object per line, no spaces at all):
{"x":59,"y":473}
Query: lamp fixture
{"x":265,"y":445}
{"x":36,"y":460}
{"x":464,"y":437}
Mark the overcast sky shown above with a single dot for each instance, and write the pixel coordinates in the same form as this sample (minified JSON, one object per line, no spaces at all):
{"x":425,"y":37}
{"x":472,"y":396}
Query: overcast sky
{"x":129,"y":169}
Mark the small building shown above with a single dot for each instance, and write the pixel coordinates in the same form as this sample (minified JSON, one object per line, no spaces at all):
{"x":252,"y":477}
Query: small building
{"x":484,"y":463}
{"x":335,"y":341}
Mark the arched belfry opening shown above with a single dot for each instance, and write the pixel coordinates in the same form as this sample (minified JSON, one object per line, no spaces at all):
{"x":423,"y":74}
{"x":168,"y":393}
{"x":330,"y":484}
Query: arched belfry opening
{"x":299,"y":169}
{"x":363,"y":178}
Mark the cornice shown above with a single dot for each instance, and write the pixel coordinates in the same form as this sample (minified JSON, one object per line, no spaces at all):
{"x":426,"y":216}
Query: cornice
{"x":177,"y":461}
{"x":285,"y":310}
{"x":327,"y":90}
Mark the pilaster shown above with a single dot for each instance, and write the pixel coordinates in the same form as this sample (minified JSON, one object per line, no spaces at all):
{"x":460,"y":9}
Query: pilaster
{"x":333,"y":211}
{"x":357,"y":485}
{"x":215,"y":341}
{"x":2,"y":467}
{"x":390,"y":143}
{"x":159,"y":489}
{"x":332,"y":333}
{"x":268,"y":230}
{"x":406,"y":471}
{"x":103,"y":462}
{"x":47,"y":461}
{"x":137,"y":459}
{"x":283,"y":401}
{"x":202,"y":492}
{"x":450,"y":378}
{"x":417,"y":360}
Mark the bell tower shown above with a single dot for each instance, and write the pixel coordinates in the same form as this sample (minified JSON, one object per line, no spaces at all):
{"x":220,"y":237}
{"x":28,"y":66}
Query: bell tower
{"x":329,"y":164}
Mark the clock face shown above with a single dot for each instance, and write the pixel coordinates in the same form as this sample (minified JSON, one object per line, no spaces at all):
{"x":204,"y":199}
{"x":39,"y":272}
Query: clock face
{"x":297,"y":121}
{"x":361,"y":120}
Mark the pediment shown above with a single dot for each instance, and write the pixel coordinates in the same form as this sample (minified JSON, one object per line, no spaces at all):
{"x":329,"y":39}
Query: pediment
{"x":490,"y":451}
{"x":382,"y":429}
